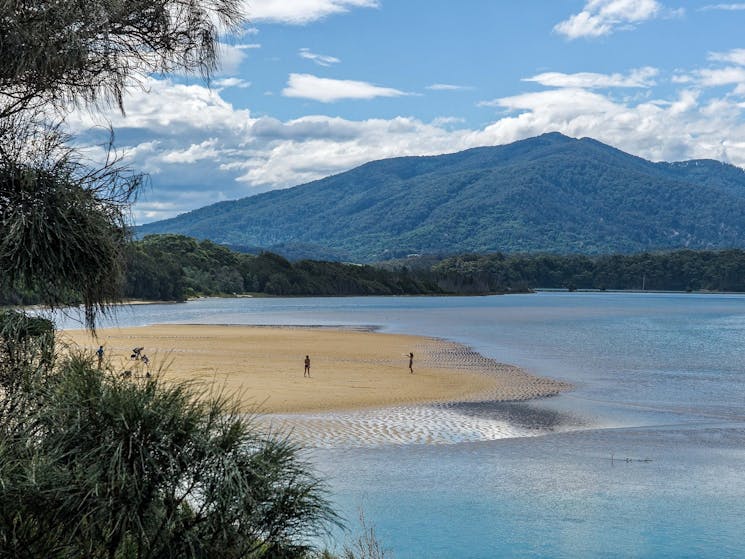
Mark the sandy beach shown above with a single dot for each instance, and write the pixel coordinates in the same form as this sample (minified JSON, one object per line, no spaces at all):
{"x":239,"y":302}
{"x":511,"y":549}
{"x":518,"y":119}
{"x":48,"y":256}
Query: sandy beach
{"x":349,"y":369}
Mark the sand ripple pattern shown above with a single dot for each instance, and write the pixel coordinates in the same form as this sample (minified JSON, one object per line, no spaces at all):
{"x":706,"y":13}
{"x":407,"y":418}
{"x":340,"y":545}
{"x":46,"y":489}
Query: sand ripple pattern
{"x":406,"y":425}
{"x":510,"y":383}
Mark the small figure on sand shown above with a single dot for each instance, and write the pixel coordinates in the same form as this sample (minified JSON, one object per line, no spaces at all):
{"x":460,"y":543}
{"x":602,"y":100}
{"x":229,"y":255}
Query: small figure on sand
{"x":146,"y":361}
{"x":411,"y":362}
{"x":306,"y":373}
{"x":99,"y":354}
{"x":136,"y":352}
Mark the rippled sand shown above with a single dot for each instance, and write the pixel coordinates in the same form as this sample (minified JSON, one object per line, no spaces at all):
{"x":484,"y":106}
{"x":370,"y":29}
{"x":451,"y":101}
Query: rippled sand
{"x":423,"y":424}
{"x":360,"y":391}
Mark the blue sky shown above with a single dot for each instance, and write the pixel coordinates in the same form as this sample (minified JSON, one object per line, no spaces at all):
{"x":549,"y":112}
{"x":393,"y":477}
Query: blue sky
{"x":316,"y":87}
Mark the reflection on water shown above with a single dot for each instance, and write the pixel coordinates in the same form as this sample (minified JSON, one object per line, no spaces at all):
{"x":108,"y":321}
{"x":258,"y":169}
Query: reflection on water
{"x":520,"y":414}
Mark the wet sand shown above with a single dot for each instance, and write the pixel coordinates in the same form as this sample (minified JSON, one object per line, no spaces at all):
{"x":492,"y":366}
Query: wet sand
{"x":349,"y":369}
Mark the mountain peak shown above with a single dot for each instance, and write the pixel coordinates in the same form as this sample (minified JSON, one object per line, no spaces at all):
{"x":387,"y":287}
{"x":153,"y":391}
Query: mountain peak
{"x":550,"y":193}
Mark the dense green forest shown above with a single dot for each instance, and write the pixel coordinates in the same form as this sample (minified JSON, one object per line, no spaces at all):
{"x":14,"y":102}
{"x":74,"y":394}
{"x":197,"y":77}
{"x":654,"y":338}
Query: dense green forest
{"x":546,"y":194}
{"x":683,"y":270}
{"x":174,"y":268}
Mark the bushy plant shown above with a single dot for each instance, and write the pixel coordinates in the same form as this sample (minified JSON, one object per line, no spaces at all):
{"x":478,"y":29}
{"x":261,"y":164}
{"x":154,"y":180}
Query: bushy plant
{"x":108,"y":467}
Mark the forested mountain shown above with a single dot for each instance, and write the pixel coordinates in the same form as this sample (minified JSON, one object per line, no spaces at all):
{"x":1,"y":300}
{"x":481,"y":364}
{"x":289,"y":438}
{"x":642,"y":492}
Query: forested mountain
{"x":551,"y":193}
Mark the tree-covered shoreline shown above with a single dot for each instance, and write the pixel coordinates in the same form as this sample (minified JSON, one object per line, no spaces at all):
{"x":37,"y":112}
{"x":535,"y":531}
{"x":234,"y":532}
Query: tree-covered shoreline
{"x":179,"y":268}
{"x":174,"y":267}
{"x":681,"y":270}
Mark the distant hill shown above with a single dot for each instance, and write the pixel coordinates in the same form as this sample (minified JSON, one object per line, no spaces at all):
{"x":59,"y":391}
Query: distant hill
{"x":551,"y":193}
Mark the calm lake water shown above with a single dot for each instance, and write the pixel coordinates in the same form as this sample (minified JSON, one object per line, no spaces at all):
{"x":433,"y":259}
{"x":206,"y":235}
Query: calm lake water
{"x":645,"y":458}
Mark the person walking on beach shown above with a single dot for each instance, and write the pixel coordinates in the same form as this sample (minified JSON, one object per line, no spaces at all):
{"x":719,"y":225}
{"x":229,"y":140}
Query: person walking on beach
{"x":306,"y":373}
{"x":411,"y":362}
{"x":99,"y":354}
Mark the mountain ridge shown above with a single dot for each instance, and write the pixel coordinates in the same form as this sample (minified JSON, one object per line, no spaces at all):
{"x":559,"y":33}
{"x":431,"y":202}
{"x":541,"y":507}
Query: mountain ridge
{"x":551,"y":193}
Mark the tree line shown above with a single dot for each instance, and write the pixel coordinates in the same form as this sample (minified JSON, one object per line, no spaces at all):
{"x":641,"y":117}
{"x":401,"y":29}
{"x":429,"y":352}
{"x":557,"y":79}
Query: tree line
{"x":680,"y":270}
{"x":175,"y":267}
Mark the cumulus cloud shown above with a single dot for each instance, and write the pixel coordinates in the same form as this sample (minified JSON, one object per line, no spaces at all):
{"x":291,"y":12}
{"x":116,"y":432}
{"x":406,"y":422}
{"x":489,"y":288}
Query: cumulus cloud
{"x":320,"y":59}
{"x":720,"y":76}
{"x":641,"y":77}
{"x":681,"y":128}
{"x":192,"y":154}
{"x":300,"y":12}
{"x":735,"y":56}
{"x":165,"y":108}
{"x":327,"y":90}
{"x":603,"y":17}
{"x":732,"y":74}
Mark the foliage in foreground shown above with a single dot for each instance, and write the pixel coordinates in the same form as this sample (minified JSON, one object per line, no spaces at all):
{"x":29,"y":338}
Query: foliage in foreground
{"x":64,"y":52}
{"x":63,"y":224}
{"x":98,"y":465}
{"x":366,"y":544}
{"x":93,"y":464}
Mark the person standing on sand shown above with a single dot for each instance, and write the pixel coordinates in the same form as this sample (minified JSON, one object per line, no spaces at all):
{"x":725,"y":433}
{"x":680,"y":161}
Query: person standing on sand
{"x":411,"y":362}
{"x":99,"y":354}
{"x":306,"y":373}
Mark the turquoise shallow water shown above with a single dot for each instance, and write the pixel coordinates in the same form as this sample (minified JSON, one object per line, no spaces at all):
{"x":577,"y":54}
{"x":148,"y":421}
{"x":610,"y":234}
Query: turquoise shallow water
{"x":660,"y":381}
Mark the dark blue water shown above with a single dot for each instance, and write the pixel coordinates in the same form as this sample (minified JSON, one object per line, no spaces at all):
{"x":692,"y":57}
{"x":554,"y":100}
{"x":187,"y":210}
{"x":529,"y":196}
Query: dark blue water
{"x":657,"y":468}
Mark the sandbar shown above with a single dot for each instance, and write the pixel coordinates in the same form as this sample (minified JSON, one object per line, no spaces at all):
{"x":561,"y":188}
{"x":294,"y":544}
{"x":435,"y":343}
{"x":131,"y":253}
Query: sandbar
{"x":350,"y":369}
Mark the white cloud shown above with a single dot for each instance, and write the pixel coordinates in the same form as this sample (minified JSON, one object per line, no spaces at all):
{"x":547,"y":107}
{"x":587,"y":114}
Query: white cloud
{"x":442,"y":121}
{"x":300,"y":12}
{"x":713,"y":77}
{"x":735,"y":56}
{"x":326,"y":90}
{"x":194,"y":153}
{"x":447,"y":87}
{"x":320,"y":59}
{"x":721,"y":76}
{"x":733,"y":74}
{"x":726,"y":7}
{"x":641,"y":77}
{"x":165,"y":108}
{"x":603,"y":17}
{"x":232,"y":82}
{"x":682,"y":128}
